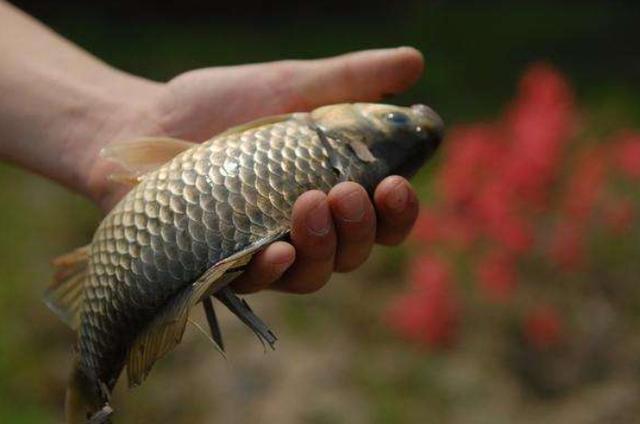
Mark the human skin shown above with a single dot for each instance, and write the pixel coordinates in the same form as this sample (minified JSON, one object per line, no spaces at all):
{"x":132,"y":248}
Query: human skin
{"x":60,"y":106}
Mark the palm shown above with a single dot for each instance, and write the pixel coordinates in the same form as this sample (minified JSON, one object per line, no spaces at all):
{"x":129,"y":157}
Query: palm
{"x":198,"y":104}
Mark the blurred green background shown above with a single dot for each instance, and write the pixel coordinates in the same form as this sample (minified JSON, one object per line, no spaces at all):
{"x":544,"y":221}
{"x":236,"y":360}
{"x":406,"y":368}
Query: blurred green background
{"x":336,"y":361}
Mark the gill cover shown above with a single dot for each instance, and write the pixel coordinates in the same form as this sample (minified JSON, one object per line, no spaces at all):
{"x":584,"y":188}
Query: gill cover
{"x":400,"y":138}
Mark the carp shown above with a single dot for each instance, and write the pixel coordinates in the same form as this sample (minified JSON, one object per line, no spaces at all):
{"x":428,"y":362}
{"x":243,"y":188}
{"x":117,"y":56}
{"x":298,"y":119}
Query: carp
{"x":196,"y":215}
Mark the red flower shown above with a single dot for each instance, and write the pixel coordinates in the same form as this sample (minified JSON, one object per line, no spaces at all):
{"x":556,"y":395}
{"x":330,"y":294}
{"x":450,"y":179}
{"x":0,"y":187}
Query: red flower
{"x":585,"y":184}
{"x":542,"y":327}
{"x":407,"y":316}
{"x":472,"y":154}
{"x":502,"y":219}
{"x":567,"y":246}
{"x":502,"y":186}
{"x":458,"y":230}
{"x":453,"y":229}
{"x":539,"y":124}
{"x":627,"y":154}
{"x":497,"y":276}
{"x":542,"y":84}
{"x":429,"y":313}
{"x":427,"y":227}
{"x":619,"y":216}
{"x":429,"y":273}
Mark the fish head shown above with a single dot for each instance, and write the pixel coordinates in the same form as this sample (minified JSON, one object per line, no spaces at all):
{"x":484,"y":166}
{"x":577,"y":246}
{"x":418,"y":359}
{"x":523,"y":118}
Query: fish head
{"x":401,"y":138}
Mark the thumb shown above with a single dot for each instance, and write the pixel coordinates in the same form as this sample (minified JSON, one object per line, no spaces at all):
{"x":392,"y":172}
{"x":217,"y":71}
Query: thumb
{"x":361,"y":76}
{"x":205,"y":101}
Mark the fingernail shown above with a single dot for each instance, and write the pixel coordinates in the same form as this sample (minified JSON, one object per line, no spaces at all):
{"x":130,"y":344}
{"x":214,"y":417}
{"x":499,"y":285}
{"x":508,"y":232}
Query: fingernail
{"x":318,"y":219}
{"x":397,"y":199}
{"x":351,"y":206}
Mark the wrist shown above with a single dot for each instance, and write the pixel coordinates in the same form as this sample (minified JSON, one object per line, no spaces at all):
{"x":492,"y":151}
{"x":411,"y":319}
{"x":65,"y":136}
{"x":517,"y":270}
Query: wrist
{"x":60,"y":105}
{"x":124,"y":108}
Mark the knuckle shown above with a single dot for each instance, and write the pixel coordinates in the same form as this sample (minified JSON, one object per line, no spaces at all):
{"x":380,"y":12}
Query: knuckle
{"x":356,"y":233}
{"x":352,"y":258}
{"x":317,"y":249}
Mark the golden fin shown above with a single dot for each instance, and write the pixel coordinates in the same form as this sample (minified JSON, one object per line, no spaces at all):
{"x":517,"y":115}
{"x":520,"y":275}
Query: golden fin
{"x":206,"y":335}
{"x":268,"y":120}
{"x":166,"y":329}
{"x":362,"y":151}
{"x":65,"y":295}
{"x":144,"y":154}
{"x":76,"y":256}
{"x":126,"y":178}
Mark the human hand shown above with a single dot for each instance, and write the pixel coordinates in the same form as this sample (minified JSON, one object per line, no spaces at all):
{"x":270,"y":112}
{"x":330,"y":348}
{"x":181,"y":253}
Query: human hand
{"x":330,"y":232}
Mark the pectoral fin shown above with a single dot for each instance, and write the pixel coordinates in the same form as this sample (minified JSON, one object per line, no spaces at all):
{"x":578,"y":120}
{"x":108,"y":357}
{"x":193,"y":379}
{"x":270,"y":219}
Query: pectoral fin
{"x":243,"y":311}
{"x":212,"y":320}
{"x":143,"y":155}
{"x":126,"y":178}
{"x":362,"y":151}
{"x":165,"y":331}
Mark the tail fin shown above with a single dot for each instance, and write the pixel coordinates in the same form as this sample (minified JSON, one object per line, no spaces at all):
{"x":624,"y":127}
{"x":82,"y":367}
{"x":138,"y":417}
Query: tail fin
{"x":87,"y":400}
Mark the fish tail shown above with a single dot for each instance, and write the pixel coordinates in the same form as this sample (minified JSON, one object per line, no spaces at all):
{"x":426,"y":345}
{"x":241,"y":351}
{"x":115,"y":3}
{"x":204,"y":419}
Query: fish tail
{"x":87,"y":400}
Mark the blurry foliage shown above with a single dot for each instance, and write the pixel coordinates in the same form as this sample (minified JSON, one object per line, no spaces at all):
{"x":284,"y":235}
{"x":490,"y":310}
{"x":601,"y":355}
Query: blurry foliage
{"x":534,"y":214}
{"x":528,"y":329}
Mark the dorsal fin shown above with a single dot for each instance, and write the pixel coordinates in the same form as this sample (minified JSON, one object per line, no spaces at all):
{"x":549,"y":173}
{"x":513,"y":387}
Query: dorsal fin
{"x":268,"y":120}
{"x":65,"y":295}
{"x":143,"y":155}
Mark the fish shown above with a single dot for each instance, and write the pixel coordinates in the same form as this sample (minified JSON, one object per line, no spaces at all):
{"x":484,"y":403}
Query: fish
{"x":193,"y":219}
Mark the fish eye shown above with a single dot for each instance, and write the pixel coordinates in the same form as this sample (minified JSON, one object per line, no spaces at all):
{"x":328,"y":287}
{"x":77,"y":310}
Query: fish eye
{"x":397,"y":118}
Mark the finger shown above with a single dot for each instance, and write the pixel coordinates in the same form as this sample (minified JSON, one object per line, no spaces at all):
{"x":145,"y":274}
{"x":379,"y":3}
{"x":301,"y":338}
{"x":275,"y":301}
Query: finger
{"x":265,"y":268}
{"x":397,"y":207}
{"x":361,"y":76}
{"x":237,"y":94}
{"x":355,"y":222}
{"x":314,"y":238}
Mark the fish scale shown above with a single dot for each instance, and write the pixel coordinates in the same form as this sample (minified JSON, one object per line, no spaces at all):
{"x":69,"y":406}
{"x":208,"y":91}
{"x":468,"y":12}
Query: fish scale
{"x":217,"y":215}
{"x":193,"y":220}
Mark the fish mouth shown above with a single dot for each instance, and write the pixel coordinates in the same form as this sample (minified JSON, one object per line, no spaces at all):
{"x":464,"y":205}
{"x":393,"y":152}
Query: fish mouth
{"x":429,"y":120}
{"x":405,"y":159}
{"x":417,"y":156}
{"x":431,"y":128}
